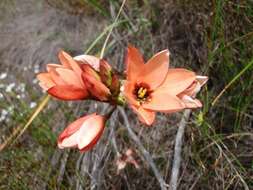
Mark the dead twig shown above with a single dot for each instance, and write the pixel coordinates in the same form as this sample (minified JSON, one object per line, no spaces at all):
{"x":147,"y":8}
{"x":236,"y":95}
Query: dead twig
{"x":178,"y":150}
{"x":144,"y":152}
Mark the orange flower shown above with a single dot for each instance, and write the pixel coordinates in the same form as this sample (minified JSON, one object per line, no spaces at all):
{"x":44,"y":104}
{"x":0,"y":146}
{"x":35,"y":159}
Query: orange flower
{"x":66,"y":81}
{"x":82,"y":133}
{"x":153,"y":87}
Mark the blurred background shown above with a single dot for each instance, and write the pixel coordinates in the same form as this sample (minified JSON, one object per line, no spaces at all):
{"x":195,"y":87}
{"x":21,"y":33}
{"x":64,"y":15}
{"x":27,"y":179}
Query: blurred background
{"x":213,"y":38}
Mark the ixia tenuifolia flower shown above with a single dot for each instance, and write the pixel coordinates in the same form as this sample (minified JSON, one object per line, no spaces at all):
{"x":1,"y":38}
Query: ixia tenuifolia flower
{"x":83,"y":133}
{"x":75,"y":79}
{"x":153,"y":87}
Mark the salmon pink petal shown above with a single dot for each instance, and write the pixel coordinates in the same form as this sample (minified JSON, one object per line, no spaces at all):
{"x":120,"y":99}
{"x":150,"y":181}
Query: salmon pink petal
{"x":155,"y":70}
{"x":90,"y":131}
{"x":195,"y":87}
{"x":43,"y":86}
{"x":145,"y":116}
{"x":63,"y":60}
{"x":70,"y":63}
{"x":69,"y":137}
{"x":191,"y":102}
{"x":88,"y":59}
{"x":46,"y":81}
{"x":163,"y":102}
{"x":74,"y":127}
{"x":70,"y":77}
{"x":176,"y":81}
{"x":128,"y":93}
{"x":134,"y":63}
{"x":52,"y":66}
{"x":56,"y":77}
{"x":96,"y":87}
{"x":68,"y":92}
{"x":70,"y":141}
{"x":192,"y":90}
{"x":88,"y":70}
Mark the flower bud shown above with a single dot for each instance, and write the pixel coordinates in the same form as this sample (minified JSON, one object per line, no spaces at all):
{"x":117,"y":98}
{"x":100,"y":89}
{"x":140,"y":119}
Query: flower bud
{"x":83,"y":133}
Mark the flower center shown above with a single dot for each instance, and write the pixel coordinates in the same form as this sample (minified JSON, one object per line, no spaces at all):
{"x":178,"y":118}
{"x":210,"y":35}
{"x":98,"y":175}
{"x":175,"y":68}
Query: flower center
{"x":142,"y":92}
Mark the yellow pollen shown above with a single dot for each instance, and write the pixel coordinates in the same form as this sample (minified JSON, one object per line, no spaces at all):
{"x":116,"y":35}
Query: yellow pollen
{"x":142,"y":92}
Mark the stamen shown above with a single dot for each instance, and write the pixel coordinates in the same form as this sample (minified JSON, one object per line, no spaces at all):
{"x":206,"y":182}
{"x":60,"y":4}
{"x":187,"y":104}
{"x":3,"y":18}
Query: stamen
{"x":142,"y":92}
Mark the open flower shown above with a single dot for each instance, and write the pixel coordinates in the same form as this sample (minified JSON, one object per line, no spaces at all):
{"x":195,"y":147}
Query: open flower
{"x":82,"y":133}
{"x":153,"y":87}
{"x":65,"y":81}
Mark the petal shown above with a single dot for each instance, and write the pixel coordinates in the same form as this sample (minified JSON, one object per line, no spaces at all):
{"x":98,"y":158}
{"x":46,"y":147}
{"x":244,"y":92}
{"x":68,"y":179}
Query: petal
{"x":68,"y":138}
{"x":163,"y":102}
{"x":70,"y":141}
{"x":192,"y":90}
{"x":52,"y":66}
{"x":46,"y":81}
{"x":201,"y":79}
{"x":190,"y":102}
{"x":90,"y":131}
{"x":89,"y":70}
{"x":134,"y":63}
{"x":63,"y":60}
{"x":128,"y":93}
{"x":88,"y":59}
{"x":177,"y":80}
{"x":105,"y":72}
{"x":96,"y":87}
{"x":145,"y":116}
{"x":155,"y":70}
{"x":43,"y":86}
{"x":74,"y":126}
{"x":195,"y":87}
{"x":70,"y":77}
{"x":68,"y":92}
{"x":55,"y":76}
{"x":70,"y":63}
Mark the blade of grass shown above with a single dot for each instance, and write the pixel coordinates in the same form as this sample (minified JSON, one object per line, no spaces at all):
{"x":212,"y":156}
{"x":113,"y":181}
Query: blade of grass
{"x":110,"y":31}
{"x":232,"y":81}
{"x":108,"y":28}
{"x":20,"y":131}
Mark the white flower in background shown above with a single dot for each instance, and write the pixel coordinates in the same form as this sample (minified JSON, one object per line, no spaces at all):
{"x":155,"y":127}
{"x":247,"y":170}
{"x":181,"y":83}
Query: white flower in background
{"x":36,"y":68}
{"x":33,"y":104}
{"x":1,"y":95}
{"x":10,"y":87}
{"x":3,"y":75}
{"x":4,"y":113}
{"x":2,"y":85}
{"x":18,"y":96}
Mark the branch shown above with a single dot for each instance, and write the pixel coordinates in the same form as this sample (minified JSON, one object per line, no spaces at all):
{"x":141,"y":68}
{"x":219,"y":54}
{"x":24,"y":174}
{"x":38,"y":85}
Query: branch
{"x":144,"y":152}
{"x":178,"y":150}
